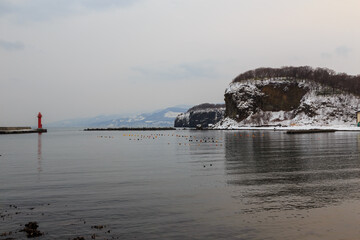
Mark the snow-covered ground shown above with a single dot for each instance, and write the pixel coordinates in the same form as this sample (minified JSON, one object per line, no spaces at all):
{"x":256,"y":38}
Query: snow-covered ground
{"x":230,"y":124}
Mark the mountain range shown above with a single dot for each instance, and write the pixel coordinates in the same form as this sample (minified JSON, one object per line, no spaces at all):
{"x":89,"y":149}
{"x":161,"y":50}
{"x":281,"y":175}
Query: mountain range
{"x":160,"y":118}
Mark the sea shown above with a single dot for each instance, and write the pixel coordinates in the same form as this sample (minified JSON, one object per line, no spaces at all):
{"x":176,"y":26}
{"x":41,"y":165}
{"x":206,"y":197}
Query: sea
{"x":181,"y":184}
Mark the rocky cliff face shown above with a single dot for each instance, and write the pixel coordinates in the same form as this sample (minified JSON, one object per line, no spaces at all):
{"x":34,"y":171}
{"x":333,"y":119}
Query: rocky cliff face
{"x":201,"y":115}
{"x":288,"y":102}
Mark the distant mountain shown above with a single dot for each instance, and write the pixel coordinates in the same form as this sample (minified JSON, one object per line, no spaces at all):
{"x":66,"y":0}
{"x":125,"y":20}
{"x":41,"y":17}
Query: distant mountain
{"x":161,"y":118}
{"x":82,"y":122}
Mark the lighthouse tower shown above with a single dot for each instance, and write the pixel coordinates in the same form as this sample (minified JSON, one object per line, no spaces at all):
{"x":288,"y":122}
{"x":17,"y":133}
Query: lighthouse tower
{"x":39,"y":121}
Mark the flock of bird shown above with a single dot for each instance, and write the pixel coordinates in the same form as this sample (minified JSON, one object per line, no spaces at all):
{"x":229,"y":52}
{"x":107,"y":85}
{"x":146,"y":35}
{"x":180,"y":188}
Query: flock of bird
{"x":185,"y":140}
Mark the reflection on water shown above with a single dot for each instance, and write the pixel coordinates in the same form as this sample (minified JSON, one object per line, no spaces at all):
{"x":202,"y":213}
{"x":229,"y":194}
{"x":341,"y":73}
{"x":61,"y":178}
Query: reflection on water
{"x":39,"y":154}
{"x":181,"y":185}
{"x":278,"y":171}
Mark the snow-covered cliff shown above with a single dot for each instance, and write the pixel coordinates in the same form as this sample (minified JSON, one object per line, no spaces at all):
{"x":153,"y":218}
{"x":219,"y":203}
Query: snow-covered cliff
{"x":201,"y":115}
{"x":287,"y":102}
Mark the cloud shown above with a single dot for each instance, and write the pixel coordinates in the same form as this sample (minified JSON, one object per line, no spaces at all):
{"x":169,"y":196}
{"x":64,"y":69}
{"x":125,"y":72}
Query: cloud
{"x":178,"y":72}
{"x":326,"y":55}
{"x":11,"y":46}
{"x":43,"y":10}
{"x":103,"y":4}
{"x":342,"y":51}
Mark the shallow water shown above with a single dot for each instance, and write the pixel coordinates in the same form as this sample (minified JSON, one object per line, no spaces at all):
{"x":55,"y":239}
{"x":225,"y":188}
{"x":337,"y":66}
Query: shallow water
{"x":231,"y":185}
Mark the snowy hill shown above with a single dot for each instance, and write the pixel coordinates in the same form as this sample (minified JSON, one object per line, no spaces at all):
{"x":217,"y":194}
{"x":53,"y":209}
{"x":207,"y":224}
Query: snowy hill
{"x":287,"y":101}
{"x":203,"y":114}
{"x":160,"y":118}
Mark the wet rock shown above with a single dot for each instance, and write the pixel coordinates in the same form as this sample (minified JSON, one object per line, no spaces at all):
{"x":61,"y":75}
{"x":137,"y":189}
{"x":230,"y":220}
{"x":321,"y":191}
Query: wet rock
{"x":4,"y":234}
{"x":79,"y":238}
{"x":98,"y":227}
{"x":31,"y":230}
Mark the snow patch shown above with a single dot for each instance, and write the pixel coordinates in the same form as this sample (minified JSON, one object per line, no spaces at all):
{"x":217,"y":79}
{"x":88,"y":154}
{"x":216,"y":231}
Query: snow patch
{"x":171,"y":114}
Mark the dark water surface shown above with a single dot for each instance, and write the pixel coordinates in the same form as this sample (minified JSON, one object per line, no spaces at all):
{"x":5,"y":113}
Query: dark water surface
{"x":197,"y":185}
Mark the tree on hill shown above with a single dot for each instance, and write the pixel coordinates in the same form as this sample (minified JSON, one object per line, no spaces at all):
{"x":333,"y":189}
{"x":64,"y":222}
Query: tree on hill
{"x":205,"y":106}
{"x":324,"y":76}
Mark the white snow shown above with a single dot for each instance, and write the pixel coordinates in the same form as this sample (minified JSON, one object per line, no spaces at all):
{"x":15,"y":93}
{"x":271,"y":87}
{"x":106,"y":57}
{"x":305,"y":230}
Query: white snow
{"x":184,"y":116}
{"x":171,"y":114}
{"x":230,"y":124}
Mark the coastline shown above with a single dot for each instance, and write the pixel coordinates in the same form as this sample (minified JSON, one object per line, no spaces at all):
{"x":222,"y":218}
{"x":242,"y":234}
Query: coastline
{"x":131,"y":129}
{"x":287,"y":128}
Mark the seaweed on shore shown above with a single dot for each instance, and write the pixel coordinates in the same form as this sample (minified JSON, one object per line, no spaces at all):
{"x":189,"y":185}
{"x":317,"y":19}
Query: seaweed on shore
{"x":31,"y":230}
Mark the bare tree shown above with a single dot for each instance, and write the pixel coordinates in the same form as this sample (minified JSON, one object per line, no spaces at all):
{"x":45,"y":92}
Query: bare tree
{"x":324,"y":76}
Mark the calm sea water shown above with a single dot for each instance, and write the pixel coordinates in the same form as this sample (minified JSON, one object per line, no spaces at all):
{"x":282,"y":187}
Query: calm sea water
{"x":181,"y":185}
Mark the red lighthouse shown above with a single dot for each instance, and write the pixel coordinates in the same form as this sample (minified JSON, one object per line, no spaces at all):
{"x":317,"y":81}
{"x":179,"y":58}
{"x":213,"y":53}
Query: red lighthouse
{"x":39,"y":120}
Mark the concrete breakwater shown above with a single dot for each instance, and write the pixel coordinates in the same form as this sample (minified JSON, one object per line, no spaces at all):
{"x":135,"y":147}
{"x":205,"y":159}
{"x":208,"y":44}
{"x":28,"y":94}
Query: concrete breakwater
{"x":13,"y":128}
{"x":19,"y":130}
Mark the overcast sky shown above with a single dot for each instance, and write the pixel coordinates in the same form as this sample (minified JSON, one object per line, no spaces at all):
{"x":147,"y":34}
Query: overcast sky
{"x":82,"y":58}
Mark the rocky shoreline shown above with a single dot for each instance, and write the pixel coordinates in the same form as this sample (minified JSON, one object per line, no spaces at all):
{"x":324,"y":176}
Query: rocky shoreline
{"x":34,"y":229}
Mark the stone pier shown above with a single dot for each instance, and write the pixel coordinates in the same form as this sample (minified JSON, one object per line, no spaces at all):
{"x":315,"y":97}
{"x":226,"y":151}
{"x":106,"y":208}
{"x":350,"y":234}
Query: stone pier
{"x":19,"y":130}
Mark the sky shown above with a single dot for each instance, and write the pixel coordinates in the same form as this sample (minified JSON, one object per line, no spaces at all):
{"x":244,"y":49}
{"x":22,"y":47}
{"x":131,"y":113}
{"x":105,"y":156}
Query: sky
{"x":82,"y":58}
